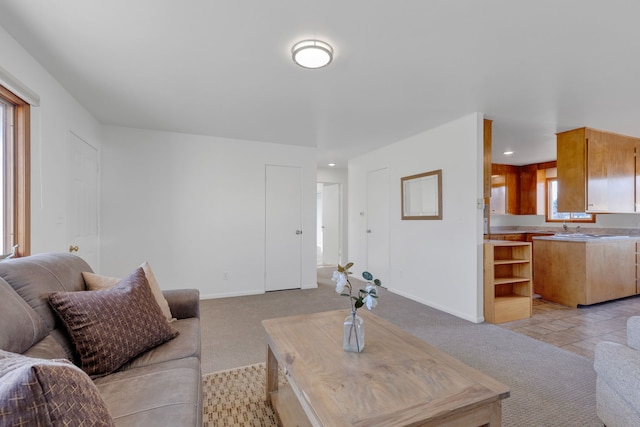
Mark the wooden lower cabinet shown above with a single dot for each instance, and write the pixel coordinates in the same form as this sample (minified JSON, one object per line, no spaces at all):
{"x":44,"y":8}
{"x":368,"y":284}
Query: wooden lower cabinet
{"x":507,"y":281}
{"x":637,"y":266}
{"x":515,"y":237}
{"x":586,"y":272}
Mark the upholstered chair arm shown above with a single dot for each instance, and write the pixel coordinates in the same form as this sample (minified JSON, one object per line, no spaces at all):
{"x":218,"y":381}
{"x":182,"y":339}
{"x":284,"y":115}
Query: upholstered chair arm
{"x":183,"y":303}
{"x":633,"y":332}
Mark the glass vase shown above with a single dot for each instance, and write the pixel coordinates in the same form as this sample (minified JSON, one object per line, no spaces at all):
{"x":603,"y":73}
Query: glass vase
{"x":353,"y":333}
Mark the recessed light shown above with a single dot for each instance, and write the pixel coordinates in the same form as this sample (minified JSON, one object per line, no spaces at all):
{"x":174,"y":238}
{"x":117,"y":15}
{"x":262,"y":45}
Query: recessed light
{"x":332,"y":164}
{"x":508,"y":153}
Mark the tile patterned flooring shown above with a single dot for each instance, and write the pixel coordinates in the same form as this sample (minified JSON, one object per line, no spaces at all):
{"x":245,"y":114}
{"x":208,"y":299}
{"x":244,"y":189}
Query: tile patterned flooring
{"x":578,"y":329}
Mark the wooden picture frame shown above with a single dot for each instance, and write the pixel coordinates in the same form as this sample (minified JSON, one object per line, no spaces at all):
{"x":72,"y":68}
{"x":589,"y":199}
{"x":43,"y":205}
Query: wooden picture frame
{"x":422,"y":196}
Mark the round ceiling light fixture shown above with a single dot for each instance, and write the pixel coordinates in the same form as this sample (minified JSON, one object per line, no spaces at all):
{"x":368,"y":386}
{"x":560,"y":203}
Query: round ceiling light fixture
{"x":312,"y":53}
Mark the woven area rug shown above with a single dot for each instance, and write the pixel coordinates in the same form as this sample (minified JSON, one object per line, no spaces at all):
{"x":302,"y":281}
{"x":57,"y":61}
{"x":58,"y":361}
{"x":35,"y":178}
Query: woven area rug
{"x":236,"y":398}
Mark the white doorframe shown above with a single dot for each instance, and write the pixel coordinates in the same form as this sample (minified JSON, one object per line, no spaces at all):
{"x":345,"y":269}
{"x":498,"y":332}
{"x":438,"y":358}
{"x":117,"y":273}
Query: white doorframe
{"x":330,"y":218}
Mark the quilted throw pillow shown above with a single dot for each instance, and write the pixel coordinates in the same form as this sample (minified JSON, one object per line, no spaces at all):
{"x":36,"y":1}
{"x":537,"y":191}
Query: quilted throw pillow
{"x":109,"y":327}
{"x":38,"y":392}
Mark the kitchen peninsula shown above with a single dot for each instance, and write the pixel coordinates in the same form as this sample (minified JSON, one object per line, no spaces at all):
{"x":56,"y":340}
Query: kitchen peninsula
{"x":576,"y":269}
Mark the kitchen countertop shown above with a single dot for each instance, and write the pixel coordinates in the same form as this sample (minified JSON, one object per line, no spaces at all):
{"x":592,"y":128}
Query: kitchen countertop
{"x":584,"y":237}
{"x":521,"y":231}
{"x":586,"y":234}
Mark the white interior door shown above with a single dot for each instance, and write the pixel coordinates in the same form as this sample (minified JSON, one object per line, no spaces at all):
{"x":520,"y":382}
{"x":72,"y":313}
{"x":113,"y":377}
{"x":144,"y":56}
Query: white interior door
{"x":331,"y":224}
{"x":83,"y":200}
{"x":283,"y":249}
{"x":378,"y":224}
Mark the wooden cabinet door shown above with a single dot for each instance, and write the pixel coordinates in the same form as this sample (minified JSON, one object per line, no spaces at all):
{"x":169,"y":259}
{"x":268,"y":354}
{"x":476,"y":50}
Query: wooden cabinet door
{"x":487,"y":158}
{"x":572,"y":170}
{"x":498,"y":200}
{"x":528,"y":176}
{"x":504,"y":189}
{"x":637,"y":173}
{"x":596,"y":171}
{"x":513,"y":190}
{"x":610,"y":172}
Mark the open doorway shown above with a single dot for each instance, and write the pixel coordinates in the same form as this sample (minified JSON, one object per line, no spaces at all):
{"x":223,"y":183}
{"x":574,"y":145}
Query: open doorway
{"x":329,"y":224}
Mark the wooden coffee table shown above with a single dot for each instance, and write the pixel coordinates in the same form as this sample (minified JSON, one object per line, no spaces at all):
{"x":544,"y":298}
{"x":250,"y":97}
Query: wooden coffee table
{"x":398,"y":380}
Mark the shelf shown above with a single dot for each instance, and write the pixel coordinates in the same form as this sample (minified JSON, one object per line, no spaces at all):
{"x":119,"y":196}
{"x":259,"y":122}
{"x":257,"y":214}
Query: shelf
{"x":510,"y":261}
{"x":509,"y":298}
{"x":506,"y":280}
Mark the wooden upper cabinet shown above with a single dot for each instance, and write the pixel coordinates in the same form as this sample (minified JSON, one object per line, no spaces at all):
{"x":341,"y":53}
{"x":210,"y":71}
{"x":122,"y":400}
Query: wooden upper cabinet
{"x":610,"y":172}
{"x":571,"y":150}
{"x":516,"y":190}
{"x":637,"y":173}
{"x":528,"y":176}
{"x":596,"y":171}
{"x":504,"y":189}
{"x":487,"y":157}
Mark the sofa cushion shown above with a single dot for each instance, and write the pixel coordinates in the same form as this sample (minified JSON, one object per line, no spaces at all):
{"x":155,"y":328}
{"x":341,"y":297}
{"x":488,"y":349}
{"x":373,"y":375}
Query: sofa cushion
{"x":21,"y":327}
{"x":37,"y":392}
{"x":111,"y":326}
{"x":97,"y":282}
{"x":162,"y":394}
{"x":36,"y":276}
{"x":612,"y":409}
{"x":47,"y":348}
{"x":186,"y":344}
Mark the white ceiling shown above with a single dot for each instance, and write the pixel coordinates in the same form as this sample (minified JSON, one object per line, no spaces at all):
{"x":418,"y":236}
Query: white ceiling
{"x":223,"y":68}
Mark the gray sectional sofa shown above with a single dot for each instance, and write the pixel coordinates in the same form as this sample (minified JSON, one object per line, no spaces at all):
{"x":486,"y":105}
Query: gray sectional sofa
{"x":162,"y":386}
{"x":618,"y":379}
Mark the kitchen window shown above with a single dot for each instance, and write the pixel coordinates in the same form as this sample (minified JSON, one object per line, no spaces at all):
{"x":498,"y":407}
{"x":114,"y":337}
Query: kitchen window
{"x":552,"y":214}
{"x":15,"y":173}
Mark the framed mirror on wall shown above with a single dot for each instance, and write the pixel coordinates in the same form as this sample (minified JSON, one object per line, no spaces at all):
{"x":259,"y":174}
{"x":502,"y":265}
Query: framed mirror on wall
{"x":422,"y":195}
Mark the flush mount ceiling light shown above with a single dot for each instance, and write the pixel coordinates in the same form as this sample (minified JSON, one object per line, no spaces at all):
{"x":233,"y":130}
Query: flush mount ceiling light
{"x":312,"y":53}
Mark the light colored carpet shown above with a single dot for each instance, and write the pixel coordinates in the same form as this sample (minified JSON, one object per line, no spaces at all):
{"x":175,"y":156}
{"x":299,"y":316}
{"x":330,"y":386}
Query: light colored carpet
{"x":549,"y":386}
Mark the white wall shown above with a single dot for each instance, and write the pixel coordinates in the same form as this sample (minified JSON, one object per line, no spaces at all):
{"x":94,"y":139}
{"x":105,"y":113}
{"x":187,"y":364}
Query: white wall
{"x":438,"y":263}
{"x":58,"y":114}
{"x":194,"y":207}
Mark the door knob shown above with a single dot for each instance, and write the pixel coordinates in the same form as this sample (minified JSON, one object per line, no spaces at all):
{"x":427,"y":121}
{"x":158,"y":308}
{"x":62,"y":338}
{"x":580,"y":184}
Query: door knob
{"x":73,"y":248}
{"x":298,"y":231}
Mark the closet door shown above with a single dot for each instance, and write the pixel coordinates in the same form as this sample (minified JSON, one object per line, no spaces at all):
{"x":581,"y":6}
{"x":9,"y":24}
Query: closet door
{"x":283,"y":228}
{"x":83,"y":200}
{"x":378,"y":224}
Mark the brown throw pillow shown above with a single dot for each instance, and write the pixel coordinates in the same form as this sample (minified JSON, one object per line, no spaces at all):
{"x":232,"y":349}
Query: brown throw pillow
{"x":111,"y":326}
{"x":38,"y":392}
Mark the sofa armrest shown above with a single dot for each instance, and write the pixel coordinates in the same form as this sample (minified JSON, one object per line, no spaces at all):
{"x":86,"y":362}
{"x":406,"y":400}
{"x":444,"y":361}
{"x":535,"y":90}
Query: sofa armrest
{"x":183,"y":303}
{"x":633,"y":332}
